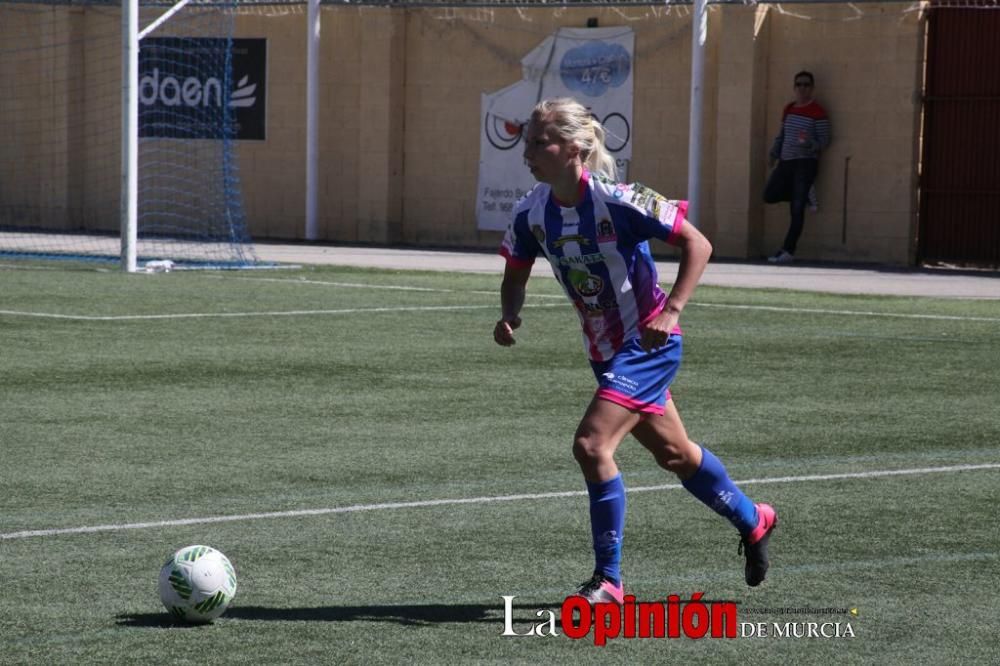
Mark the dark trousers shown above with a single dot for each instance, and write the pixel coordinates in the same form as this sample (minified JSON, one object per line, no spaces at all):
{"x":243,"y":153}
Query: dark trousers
{"x":790,"y":181}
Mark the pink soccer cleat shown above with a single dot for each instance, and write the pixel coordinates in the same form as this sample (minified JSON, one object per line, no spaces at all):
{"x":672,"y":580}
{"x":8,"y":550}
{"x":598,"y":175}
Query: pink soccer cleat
{"x":600,"y":589}
{"x":754,"y":545}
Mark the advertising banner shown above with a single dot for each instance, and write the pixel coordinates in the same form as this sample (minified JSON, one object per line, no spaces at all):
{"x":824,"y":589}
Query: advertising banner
{"x":181,"y":92}
{"x":592,"y":65}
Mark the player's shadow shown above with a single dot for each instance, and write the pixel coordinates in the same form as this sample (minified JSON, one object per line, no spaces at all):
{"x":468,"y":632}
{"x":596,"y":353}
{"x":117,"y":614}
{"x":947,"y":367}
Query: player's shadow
{"x":414,"y":615}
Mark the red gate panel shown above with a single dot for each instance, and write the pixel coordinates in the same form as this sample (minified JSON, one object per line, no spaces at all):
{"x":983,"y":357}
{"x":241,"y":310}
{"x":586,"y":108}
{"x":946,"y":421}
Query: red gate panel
{"x":960,"y":164}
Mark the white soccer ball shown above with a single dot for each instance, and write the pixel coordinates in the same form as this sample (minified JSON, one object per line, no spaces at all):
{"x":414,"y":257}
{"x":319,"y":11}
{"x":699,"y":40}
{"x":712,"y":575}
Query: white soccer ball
{"x":197,"y":584}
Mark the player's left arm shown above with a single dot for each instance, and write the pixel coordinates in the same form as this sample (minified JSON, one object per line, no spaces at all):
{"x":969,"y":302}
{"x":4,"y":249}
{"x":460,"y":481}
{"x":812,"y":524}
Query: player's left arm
{"x":695,"y":253}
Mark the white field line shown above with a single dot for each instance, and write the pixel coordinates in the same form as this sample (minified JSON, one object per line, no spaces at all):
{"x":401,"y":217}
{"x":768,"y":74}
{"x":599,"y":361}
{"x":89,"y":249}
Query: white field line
{"x":271,"y":313}
{"x":390,"y":506}
{"x":853,"y":313}
{"x":389,"y":287}
{"x":431,"y":308}
{"x":349,"y":285}
{"x":731,"y":306}
{"x":19,"y":267}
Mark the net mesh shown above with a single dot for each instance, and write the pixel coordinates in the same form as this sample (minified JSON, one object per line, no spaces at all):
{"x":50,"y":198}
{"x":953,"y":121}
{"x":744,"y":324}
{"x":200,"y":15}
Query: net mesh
{"x":60,"y":101}
{"x":61,"y":106}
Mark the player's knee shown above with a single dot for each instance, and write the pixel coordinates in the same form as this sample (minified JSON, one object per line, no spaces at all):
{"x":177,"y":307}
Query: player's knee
{"x":587,"y":449}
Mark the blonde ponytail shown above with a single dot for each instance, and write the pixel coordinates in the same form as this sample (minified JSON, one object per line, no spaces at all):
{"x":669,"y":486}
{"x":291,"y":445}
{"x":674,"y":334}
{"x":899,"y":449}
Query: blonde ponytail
{"x":578,"y":126}
{"x":600,"y":161}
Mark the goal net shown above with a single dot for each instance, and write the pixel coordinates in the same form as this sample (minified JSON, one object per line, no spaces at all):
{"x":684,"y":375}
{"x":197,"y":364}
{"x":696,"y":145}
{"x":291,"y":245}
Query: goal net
{"x":61,"y":156}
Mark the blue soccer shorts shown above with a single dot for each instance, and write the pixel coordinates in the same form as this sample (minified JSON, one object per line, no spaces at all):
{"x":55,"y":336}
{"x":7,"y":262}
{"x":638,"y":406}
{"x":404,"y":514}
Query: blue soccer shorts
{"x":639,"y":380}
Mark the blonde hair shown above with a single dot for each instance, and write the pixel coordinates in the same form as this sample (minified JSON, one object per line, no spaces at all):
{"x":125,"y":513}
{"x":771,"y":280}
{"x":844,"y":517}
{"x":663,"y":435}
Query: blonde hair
{"x":576,"y":125}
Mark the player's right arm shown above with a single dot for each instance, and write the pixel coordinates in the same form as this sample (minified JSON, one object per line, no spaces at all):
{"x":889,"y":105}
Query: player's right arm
{"x":520,"y":246}
{"x":512,"y":291}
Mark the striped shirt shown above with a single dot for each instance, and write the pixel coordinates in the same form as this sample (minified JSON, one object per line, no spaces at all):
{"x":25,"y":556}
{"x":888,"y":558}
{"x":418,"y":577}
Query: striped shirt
{"x":805,"y":131}
{"x":599,"y":252}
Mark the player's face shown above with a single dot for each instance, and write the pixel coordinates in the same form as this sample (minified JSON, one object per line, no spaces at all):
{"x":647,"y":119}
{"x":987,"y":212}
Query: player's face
{"x":546,"y":154}
{"x":803,"y":89}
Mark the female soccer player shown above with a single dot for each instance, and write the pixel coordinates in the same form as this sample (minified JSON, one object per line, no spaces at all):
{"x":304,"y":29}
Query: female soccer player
{"x":595,"y":232}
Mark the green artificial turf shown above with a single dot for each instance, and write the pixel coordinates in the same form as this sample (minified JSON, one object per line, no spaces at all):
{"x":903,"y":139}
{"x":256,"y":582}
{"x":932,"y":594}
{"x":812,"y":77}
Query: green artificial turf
{"x":257,"y":397}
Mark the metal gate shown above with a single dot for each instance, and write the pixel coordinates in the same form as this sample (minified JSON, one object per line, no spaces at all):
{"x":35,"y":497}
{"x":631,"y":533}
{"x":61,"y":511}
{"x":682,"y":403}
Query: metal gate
{"x":960,"y":161}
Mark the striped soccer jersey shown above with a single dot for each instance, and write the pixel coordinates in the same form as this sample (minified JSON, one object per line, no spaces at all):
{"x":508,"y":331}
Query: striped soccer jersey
{"x":599,"y":252}
{"x":805,"y":131}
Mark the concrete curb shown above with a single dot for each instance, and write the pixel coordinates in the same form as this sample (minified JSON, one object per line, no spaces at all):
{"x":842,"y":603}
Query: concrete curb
{"x":802,"y":277}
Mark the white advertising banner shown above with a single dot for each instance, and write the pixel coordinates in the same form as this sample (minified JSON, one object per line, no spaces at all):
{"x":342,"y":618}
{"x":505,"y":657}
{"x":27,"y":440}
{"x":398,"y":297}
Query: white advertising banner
{"x":592,"y":65}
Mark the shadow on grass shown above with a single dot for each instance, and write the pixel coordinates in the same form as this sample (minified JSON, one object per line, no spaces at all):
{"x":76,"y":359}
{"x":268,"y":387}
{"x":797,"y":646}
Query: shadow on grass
{"x":416,"y":614}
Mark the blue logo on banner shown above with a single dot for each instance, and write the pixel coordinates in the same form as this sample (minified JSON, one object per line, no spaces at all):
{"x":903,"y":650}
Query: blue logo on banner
{"x":595,"y":67}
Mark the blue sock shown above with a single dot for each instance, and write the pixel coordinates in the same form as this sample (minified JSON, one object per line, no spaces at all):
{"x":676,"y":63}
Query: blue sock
{"x":607,"y":523}
{"x":715,"y":489}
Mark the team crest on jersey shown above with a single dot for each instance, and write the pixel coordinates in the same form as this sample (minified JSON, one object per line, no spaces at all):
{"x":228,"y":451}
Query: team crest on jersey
{"x":585,"y":283}
{"x":539,"y":233}
{"x":573,"y":238}
{"x":606,"y":231}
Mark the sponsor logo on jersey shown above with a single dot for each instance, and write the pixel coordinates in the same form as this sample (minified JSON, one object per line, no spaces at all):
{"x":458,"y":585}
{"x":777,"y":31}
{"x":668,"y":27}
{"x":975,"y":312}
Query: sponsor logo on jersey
{"x":598,"y":309}
{"x":607,"y":301}
{"x":581,"y":259}
{"x":573,"y":238}
{"x":665,"y":211}
{"x":642,"y":196}
{"x":621,"y":189}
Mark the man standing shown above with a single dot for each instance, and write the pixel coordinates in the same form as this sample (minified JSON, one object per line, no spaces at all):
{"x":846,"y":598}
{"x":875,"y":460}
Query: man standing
{"x":805,"y":133}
